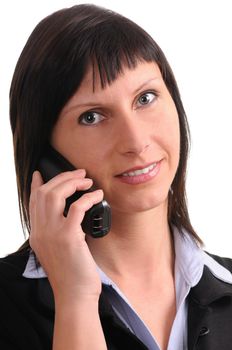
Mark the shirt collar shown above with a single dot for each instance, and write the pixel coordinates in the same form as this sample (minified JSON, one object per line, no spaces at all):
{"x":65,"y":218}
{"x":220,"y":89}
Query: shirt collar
{"x":188,"y":257}
{"x":189,"y":261}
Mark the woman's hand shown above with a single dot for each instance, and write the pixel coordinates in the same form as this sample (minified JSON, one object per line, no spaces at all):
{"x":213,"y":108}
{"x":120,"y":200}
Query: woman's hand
{"x":58,"y":241}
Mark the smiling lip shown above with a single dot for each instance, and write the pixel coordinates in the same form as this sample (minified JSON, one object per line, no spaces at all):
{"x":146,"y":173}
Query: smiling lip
{"x":137,"y":168}
{"x":141,"y":174}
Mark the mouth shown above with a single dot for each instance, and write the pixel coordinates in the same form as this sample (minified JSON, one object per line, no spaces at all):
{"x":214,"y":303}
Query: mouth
{"x":136,"y":171}
{"x":140,"y":175}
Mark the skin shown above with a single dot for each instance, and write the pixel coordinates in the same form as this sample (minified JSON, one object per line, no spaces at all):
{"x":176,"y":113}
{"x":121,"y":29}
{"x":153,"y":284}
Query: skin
{"x":133,"y":122}
{"x":127,"y":134}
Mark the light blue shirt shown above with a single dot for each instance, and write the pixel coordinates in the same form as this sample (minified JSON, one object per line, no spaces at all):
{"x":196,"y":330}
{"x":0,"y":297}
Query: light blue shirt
{"x":189,"y":264}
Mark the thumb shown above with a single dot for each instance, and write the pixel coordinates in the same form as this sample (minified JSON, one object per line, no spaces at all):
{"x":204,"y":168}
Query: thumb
{"x":37,"y":180}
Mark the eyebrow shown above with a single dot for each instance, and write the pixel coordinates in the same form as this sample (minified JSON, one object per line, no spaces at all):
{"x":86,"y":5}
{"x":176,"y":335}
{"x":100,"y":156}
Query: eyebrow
{"x":90,"y":103}
{"x":145,"y":83}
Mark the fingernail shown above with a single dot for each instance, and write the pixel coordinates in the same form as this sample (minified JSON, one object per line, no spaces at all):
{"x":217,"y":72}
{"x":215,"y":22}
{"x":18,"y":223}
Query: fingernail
{"x":34,"y":174}
{"x":87,"y":180}
{"x":80,"y":171}
{"x":99,"y":191}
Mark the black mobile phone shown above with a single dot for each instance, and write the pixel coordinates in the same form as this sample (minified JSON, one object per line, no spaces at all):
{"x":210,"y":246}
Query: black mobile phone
{"x":97,"y":220}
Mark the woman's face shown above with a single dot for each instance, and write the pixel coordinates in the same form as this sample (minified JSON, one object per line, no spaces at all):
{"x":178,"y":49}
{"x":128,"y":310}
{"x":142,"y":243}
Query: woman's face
{"x":126,"y":136}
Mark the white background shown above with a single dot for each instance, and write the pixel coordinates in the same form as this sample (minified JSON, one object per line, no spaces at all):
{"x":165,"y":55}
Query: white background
{"x":196,"y":37}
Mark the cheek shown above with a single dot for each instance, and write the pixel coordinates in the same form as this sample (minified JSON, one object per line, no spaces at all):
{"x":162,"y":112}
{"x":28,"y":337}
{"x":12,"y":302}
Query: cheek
{"x":90,"y":157}
{"x":168,"y":132}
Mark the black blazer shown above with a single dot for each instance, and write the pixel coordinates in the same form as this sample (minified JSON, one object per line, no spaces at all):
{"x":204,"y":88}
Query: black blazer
{"x":27,"y":312}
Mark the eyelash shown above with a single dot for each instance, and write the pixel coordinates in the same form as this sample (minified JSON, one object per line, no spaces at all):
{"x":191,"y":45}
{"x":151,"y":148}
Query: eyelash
{"x":88,"y":113}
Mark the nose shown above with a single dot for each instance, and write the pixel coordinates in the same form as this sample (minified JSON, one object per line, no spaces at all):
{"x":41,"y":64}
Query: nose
{"x":133,"y":136}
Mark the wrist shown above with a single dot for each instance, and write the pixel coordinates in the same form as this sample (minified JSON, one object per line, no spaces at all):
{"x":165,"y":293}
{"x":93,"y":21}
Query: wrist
{"x":78,"y":300}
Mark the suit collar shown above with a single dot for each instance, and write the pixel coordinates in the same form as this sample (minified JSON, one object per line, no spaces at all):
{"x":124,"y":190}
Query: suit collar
{"x":210,"y":288}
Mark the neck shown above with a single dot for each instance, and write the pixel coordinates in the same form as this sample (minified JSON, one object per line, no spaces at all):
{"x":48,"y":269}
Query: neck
{"x":140,"y":242}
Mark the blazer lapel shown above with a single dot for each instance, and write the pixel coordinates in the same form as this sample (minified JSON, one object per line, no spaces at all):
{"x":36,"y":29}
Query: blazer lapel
{"x":209,"y":290}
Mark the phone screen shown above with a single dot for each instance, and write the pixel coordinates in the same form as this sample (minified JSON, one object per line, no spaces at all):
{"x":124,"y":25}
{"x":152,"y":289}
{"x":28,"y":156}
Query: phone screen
{"x":97,"y":220}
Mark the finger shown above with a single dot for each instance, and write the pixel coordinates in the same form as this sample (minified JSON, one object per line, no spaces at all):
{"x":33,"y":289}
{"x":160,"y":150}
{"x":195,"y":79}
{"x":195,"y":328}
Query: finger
{"x":55,"y":198}
{"x":48,"y":204}
{"x":37,"y":180}
{"x":66,"y":175}
{"x":78,"y":209}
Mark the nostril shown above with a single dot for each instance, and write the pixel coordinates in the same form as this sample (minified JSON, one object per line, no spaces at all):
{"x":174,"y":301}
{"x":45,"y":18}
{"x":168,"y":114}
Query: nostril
{"x":137,"y":148}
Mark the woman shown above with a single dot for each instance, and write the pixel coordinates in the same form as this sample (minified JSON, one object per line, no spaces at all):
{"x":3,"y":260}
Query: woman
{"x":96,"y":88}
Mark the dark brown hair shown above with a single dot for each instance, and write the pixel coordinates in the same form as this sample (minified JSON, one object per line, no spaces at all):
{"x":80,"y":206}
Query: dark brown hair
{"x":49,"y":71}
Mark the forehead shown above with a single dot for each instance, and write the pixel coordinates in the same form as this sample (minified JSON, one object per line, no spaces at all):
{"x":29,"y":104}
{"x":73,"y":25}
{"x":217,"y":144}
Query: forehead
{"x":92,"y":81}
{"x":128,"y":83}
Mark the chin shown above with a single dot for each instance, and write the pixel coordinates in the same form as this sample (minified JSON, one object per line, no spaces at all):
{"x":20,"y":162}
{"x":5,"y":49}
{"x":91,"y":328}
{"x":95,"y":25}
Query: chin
{"x":135,"y":205}
{"x":152,"y":205}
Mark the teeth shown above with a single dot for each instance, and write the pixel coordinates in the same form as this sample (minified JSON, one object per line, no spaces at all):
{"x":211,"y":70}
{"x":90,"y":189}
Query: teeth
{"x":140,"y":171}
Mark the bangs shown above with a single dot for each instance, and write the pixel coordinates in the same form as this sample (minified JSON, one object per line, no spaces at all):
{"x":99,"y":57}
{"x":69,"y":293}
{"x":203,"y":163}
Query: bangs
{"x":116,"y":44}
{"x":81,"y":38}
